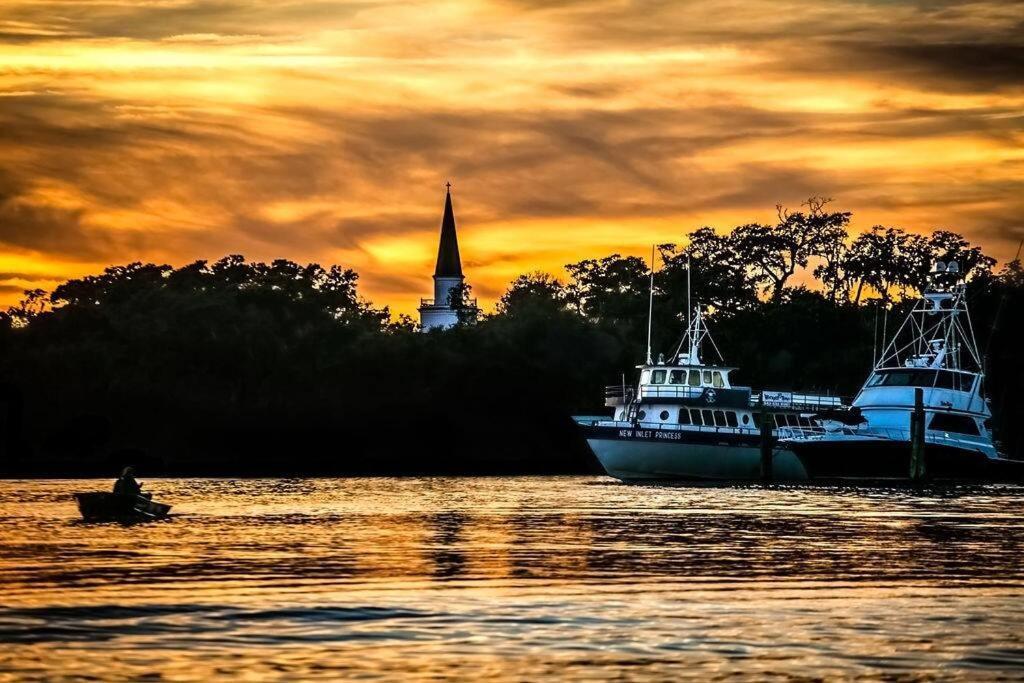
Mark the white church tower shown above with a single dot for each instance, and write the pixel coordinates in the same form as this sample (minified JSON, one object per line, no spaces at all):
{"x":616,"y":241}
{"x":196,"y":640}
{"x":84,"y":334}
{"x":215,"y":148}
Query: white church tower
{"x":438,"y":312}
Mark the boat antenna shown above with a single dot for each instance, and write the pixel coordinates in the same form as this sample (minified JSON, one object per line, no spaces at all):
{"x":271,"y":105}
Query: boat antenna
{"x":885,"y":329}
{"x":650,"y":308}
{"x":874,"y":340}
{"x":689,"y":308}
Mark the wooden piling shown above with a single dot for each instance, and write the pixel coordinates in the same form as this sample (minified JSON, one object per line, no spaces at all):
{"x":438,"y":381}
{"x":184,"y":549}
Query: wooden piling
{"x":917,"y":464}
{"x":766,"y":440}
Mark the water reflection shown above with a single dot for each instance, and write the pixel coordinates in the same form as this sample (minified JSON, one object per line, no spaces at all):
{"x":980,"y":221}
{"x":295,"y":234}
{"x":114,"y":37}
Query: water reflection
{"x":449,"y":562}
{"x":513,"y":578}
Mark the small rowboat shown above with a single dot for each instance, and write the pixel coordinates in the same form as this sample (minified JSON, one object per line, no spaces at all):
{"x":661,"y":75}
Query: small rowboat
{"x":102,"y":506}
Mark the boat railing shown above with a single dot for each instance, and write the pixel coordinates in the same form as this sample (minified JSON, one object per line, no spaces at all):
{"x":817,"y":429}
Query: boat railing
{"x":785,"y":400}
{"x":886,"y":433}
{"x":618,"y":395}
{"x":805,"y":432}
{"x":619,"y":391}
{"x":674,"y":391}
{"x":781,"y":400}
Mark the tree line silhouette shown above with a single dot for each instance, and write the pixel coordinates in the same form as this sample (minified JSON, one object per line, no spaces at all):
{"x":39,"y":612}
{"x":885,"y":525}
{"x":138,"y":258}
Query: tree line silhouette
{"x":239,"y":368}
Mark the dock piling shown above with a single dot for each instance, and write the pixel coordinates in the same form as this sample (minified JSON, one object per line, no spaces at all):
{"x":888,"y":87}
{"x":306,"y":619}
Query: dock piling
{"x":917,"y":464}
{"x":766,"y":440}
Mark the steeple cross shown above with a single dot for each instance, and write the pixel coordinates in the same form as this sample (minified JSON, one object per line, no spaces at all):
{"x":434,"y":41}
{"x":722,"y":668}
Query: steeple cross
{"x":449,"y":186}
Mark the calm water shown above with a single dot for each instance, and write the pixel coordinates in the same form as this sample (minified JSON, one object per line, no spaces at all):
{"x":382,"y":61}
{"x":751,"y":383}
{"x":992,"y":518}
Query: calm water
{"x":512,"y":579}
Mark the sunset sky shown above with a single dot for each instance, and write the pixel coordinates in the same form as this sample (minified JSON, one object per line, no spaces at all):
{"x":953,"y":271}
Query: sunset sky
{"x":173,"y":130}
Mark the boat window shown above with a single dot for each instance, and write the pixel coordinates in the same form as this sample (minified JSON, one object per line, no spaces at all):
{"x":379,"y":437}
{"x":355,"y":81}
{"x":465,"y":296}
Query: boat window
{"x":707,"y":377}
{"x":709,"y":418}
{"x":756,"y":418}
{"x":694,"y":378}
{"x":677,"y":377}
{"x":961,"y":424}
{"x":746,"y":419}
{"x":730,"y":417}
{"x":695,"y":414}
{"x":664,"y":415}
{"x":927,"y":378}
{"x":641,"y":415}
{"x":719,"y":418}
{"x":684,"y":416}
{"x":794,"y":420}
{"x":658,"y":377}
{"x":718,"y":380}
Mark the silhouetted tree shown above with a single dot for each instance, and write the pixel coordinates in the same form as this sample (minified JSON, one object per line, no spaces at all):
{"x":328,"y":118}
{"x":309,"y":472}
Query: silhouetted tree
{"x":534,"y":292}
{"x":34,"y":303}
{"x":720,"y":276}
{"x":885,"y":259}
{"x":774,"y":253}
{"x":611,"y":289}
{"x":460,"y":298}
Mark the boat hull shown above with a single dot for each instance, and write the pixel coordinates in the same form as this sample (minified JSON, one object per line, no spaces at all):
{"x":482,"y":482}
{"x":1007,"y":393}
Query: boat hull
{"x":869,"y":459}
{"x":101,"y":506}
{"x":639,"y":454}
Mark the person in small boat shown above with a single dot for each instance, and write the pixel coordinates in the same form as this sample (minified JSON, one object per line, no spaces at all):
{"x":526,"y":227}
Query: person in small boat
{"x":126,"y":484}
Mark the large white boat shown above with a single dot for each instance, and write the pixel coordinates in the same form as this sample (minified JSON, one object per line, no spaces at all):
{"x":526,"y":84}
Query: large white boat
{"x":684,"y":419}
{"x":931,"y":367}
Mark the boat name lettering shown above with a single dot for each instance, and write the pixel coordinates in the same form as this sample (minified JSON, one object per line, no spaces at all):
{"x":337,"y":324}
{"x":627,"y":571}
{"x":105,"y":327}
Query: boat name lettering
{"x":650,"y":434}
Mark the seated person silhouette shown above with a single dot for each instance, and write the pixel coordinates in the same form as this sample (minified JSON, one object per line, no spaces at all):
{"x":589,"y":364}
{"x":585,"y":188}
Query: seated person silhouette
{"x":126,"y":484}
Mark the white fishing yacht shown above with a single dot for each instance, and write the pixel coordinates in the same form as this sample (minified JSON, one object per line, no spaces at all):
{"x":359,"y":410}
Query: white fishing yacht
{"x":684,"y":419}
{"x":931,"y":366}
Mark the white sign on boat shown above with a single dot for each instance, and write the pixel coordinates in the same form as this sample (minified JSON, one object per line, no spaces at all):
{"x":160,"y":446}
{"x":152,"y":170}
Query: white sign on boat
{"x":778,"y":399}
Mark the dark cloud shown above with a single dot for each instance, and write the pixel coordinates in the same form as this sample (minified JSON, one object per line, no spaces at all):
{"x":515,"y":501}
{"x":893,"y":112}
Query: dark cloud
{"x":26,"y":225}
{"x":941,"y":66}
{"x":993,"y":65}
{"x":383,"y":280}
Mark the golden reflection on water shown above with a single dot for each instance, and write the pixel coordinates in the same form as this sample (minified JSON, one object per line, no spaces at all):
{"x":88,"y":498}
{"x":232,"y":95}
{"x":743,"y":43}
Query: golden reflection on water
{"x":512,"y":579}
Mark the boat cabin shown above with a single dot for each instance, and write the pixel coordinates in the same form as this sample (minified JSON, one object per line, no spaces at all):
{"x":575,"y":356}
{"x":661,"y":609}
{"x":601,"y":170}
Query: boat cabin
{"x":688,"y":376}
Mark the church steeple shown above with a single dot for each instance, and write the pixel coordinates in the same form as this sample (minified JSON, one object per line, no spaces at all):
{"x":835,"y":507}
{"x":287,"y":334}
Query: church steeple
{"x":449,"y":307}
{"x":449,"y":264}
